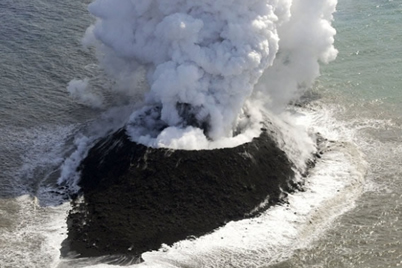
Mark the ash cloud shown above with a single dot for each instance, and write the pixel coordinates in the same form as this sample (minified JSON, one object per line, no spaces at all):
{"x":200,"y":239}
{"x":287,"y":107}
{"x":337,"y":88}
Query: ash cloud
{"x":211,"y":66}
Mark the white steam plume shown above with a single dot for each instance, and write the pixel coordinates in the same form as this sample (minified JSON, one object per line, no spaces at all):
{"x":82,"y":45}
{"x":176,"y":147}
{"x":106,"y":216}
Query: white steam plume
{"x":78,"y":90}
{"x":203,"y":59}
{"x":305,"y":39}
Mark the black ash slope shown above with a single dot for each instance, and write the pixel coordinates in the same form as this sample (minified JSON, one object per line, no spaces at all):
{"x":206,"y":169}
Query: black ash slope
{"x":137,"y":198}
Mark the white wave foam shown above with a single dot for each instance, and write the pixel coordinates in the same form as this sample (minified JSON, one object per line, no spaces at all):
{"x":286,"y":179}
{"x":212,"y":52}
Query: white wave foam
{"x":35,"y":238}
{"x":32,"y":217}
{"x":331,"y":189}
{"x":38,"y":152}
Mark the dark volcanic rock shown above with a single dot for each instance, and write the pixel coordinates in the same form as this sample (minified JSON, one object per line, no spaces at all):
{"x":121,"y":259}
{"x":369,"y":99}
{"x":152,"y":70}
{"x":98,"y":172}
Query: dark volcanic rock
{"x":136,"y":198}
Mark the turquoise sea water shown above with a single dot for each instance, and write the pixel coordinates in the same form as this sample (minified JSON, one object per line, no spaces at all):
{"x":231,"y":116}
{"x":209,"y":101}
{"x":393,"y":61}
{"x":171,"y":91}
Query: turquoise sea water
{"x":363,"y":87}
{"x":40,"y":53}
{"x":370,"y":56}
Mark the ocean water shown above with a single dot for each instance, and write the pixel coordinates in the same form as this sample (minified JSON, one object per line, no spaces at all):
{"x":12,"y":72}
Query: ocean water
{"x":349,"y":216}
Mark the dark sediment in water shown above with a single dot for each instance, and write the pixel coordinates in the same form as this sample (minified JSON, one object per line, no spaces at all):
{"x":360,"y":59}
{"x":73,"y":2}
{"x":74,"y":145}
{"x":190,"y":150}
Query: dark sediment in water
{"x":136,"y":198}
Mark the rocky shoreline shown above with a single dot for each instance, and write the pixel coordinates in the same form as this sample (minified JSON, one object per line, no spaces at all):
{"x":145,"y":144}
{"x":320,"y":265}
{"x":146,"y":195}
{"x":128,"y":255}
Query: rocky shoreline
{"x":134,"y":198}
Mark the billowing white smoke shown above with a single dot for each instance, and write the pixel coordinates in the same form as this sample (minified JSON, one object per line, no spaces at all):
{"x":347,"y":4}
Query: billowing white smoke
{"x":78,"y":90}
{"x":203,"y":59}
{"x":305,"y":39}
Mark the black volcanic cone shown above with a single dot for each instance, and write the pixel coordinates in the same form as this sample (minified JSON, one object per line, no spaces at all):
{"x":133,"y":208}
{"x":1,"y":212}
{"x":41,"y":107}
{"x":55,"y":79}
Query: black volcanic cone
{"x":136,"y":198}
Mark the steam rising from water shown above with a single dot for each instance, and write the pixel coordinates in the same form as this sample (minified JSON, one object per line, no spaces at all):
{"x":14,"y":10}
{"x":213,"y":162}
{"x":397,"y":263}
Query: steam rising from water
{"x":211,"y":66}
